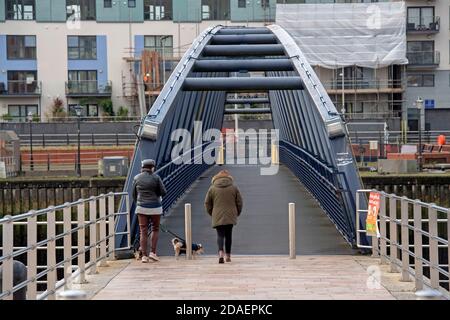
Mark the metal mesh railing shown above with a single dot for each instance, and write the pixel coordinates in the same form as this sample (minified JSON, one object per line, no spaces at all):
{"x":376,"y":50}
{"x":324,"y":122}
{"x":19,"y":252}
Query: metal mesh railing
{"x":321,"y":181}
{"x":83,"y":231}
{"x":413,"y":238}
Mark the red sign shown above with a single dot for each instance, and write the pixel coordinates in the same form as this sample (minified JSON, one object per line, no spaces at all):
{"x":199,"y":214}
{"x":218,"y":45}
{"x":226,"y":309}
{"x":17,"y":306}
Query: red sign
{"x":372,"y":214}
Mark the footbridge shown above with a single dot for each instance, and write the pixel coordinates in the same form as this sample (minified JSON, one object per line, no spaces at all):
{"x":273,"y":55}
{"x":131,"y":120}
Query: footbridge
{"x":312,"y":140}
{"x":80,"y":245}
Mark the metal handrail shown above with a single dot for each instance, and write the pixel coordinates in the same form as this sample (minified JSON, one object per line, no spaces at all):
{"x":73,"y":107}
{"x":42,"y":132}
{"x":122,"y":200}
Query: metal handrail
{"x":401,"y":228}
{"x":99,"y":238}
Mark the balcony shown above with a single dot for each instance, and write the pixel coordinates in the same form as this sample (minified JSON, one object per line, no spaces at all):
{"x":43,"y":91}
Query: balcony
{"x":88,"y":88}
{"x":423,"y":59}
{"x":21,"y":88}
{"x":364,"y":86}
{"x":426,"y":28}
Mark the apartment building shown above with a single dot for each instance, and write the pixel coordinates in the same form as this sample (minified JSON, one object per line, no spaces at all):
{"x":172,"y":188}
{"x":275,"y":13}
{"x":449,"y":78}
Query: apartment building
{"x":389,"y":94}
{"x":428,"y":71}
{"x":84,"y":52}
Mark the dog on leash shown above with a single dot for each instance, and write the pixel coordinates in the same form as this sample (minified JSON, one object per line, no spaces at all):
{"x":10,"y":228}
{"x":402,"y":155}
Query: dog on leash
{"x":179,"y":247}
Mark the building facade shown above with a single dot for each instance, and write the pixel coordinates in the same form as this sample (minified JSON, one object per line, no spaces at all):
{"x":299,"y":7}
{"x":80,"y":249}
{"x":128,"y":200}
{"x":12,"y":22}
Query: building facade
{"x":84,"y":52}
{"x":57,"y":54}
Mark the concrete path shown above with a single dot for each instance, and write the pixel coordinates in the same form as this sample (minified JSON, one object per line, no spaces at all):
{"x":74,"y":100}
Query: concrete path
{"x":263,"y":226}
{"x":247,"y":278}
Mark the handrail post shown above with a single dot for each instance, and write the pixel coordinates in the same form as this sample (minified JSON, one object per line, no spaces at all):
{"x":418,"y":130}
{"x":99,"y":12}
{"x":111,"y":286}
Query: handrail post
{"x":32,"y":256}
{"x":81,"y":244}
{"x":92,"y":235}
{"x":383,"y":243}
{"x":67,"y":225}
{"x":418,"y":265}
{"x":434,"y":253}
{"x":111,"y":226}
{"x":357,"y":223}
{"x":393,"y":232}
{"x":188,"y":230}
{"x":275,"y":153}
{"x":127,"y":202}
{"x":102,"y":230}
{"x":405,"y":239}
{"x":448,"y":239}
{"x":292,"y":250}
{"x":8,"y":264}
{"x":51,"y":254}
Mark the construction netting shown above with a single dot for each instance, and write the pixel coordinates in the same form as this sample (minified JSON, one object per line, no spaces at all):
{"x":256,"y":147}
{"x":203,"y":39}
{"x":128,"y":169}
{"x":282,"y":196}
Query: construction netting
{"x":332,"y":35}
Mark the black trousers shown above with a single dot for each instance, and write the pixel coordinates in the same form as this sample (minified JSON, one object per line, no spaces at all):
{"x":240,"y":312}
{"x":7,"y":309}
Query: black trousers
{"x":225,"y":235}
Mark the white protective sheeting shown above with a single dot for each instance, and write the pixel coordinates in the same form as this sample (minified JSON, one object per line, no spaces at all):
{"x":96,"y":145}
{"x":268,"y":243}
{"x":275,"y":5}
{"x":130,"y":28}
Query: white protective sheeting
{"x":332,"y":35}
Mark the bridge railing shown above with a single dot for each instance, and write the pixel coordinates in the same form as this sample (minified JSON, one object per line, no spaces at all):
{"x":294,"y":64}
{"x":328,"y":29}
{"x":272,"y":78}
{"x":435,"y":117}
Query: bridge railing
{"x":54,"y":237}
{"x":321,"y":182}
{"x":413,"y":238}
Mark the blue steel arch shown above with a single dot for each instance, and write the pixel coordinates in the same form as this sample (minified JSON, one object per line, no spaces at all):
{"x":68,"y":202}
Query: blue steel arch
{"x":314,"y":141}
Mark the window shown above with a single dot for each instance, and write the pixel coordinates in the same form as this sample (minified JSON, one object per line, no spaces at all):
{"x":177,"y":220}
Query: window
{"x":215,"y":9}
{"x":242,"y":3}
{"x":81,"y":9}
{"x":22,"y":82}
{"x":162,"y":44}
{"x":20,"y":9}
{"x":420,"y":52}
{"x":21,"y":47}
{"x":420,"y":80}
{"x":107,"y":3}
{"x":421,"y":18}
{"x":82,"y":47}
{"x":131,"y":3}
{"x":157,"y":10}
{"x":88,"y":110}
{"x":20,"y":112}
{"x":265,"y":3}
{"x":82,"y":81}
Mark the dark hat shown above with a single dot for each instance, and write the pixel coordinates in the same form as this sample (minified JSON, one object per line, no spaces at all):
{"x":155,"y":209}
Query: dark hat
{"x":148,"y":163}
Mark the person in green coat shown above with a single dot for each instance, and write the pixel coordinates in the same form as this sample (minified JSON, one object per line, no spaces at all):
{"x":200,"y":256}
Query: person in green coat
{"x":223,"y":203}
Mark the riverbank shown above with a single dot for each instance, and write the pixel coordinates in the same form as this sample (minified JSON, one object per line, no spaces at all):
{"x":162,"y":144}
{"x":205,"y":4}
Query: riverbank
{"x":18,"y":195}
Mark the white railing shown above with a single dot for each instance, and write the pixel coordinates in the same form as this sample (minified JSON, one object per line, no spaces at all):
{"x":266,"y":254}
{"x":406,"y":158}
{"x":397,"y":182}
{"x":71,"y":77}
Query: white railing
{"x":95,"y":221}
{"x":413,"y":239}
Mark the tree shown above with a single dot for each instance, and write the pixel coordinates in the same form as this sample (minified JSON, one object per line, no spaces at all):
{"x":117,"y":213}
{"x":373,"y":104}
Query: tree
{"x":58,"y":111}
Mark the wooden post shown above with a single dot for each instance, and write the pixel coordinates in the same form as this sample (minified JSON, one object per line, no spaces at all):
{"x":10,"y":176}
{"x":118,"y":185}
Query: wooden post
{"x":51,"y":255}
{"x":292,"y":250}
{"x":93,"y":235}
{"x":111,"y":227}
{"x":102,"y":230}
{"x":32,"y":256}
{"x":8,"y":264}
{"x":67,"y":218}
{"x":188,"y":230}
{"x":81,"y":242}
{"x":275,"y":156}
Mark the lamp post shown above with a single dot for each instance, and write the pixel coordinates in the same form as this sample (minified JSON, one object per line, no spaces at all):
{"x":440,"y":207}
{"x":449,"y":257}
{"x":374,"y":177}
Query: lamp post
{"x":163,"y":44}
{"x":419,"y":105}
{"x":343,"y":93}
{"x":78,"y":164}
{"x":30,"y":120}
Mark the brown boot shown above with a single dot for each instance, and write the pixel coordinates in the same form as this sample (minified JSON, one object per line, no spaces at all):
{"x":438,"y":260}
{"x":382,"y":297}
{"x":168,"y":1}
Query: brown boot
{"x":228,"y":258}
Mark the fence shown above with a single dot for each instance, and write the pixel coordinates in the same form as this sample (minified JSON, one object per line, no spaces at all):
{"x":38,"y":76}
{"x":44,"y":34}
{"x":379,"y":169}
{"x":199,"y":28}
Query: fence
{"x":86,"y":139}
{"x":10,"y":166}
{"x":413,"y":239}
{"x":93,"y":230}
{"x":53,"y":160}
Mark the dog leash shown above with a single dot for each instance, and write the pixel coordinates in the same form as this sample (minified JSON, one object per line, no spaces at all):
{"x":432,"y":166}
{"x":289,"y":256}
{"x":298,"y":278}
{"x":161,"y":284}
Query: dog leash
{"x":164,"y":229}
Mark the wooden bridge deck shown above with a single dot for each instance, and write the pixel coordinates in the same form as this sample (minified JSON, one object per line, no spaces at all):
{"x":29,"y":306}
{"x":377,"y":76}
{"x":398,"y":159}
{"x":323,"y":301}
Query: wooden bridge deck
{"x":246,"y":278}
